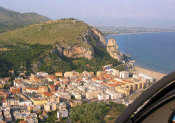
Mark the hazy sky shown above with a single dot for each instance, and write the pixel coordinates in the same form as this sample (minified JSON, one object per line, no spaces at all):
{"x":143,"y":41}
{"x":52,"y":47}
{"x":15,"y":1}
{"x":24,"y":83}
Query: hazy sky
{"x":143,"y":13}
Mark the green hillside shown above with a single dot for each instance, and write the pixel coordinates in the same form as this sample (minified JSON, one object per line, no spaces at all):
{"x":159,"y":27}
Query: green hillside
{"x":10,"y":20}
{"x":67,"y":30}
{"x":53,"y":46}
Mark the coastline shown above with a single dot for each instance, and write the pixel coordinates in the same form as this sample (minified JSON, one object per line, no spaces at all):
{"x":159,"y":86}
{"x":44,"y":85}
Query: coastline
{"x":138,"y":33}
{"x":156,"y":75}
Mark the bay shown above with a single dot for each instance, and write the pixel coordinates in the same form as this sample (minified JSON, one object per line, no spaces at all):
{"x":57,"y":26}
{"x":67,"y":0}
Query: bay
{"x":154,"y":51}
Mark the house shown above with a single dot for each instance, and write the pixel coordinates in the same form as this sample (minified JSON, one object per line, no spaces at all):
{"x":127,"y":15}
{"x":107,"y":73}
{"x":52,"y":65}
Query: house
{"x":71,"y":74}
{"x":25,"y":103}
{"x":31,"y":90}
{"x":38,"y":101}
{"x":114,"y":95}
{"x":62,"y":113}
{"x":41,"y":74}
{"x":103,"y":96}
{"x":113,"y":72}
{"x":77,"y":95}
{"x":15,"y":90}
{"x":43,"y":89}
{"x":11,"y":101}
{"x":74,"y":103}
{"x":47,"y":107}
{"x":53,"y":98}
{"x":62,"y":106}
{"x":53,"y":106}
{"x":59,"y":74}
{"x":92,"y":94}
{"x":51,"y":78}
{"x":63,"y":95}
{"x":100,"y":73}
{"x":124,"y":74}
{"x":51,"y":88}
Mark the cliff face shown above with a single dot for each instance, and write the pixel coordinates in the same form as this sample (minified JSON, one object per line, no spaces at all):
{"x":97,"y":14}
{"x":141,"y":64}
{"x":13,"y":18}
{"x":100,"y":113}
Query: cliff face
{"x":99,"y":36}
{"x":77,"y":51}
{"x":71,"y":38}
{"x":85,"y":48}
{"x":113,"y":50}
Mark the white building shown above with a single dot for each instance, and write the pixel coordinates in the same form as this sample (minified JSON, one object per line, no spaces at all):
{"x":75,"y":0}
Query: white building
{"x":25,"y":103}
{"x":41,"y":74}
{"x":62,"y":113}
{"x":113,"y":72}
{"x":124,"y":74}
{"x":103,"y":96}
{"x":114,"y":95}
{"x":53,"y":106}
{"x":77,"y":95}
{"x":147,"y":78}
{"x":47,"y":107}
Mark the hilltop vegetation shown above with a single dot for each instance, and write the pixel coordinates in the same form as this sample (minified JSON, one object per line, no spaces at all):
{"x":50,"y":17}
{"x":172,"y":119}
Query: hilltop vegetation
{"x":64,"y":30}
{"x":10,"y":20}
{"x":62,"y":45}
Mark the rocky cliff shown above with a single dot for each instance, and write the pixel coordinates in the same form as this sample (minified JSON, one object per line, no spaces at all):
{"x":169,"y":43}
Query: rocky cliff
{"x":113,"y":49}
{"x":75,"y":51}
{"x":70,"y":37}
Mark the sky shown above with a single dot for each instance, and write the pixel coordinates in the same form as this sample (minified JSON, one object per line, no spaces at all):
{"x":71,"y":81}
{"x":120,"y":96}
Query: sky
{"x":122,"y":13}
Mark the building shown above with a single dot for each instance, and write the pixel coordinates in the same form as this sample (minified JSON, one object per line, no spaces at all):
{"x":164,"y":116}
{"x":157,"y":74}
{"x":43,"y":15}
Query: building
{"x":93,"y":94}
{"x":53,"y":98}
{"x":113,"y":72}
{"x":25,"y":103}
{"x":41,"y":74}
{"x":51,"y":78}
{"x":71,"y":74}
{"x":51,"y":88}
{"x":38,"y":101}
{"x":145,"y":77}
{"x":125,"y":91}
{"x":77,"y":95}
{"x":11,"y":101}
{"x":47,"y":107}
{"x":54,"y":106}
{"x":62,"y":106}
{"x":100,"y":73}
{"x":124,"y":74}
{"x":43,"y":89}
{"x":103,"y":96}
{"x":74,"y":103}
{"x":31,"y":90}
{"x":63,"y":95}
{"x":62,"y":113}
{"x":15,"y":90}
{"x":113,"y":95}
{"x":59,"y":74}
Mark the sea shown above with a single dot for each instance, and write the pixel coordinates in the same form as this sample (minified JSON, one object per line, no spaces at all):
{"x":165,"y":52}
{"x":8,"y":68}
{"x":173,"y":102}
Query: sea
{"x":153,"y":51}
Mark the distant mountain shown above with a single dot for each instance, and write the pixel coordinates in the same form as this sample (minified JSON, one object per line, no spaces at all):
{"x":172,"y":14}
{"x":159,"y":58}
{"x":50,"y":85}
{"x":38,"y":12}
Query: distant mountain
{"x":10,"y":20}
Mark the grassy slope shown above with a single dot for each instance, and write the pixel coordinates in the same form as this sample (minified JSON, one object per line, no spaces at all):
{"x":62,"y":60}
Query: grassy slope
{"x":47,"y":33}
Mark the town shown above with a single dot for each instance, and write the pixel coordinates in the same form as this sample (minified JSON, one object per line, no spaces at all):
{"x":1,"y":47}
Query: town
{"x":34,"y":96}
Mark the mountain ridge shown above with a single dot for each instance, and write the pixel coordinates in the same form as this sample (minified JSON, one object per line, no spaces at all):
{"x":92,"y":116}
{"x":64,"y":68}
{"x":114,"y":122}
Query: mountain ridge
{"x":10,"y":20}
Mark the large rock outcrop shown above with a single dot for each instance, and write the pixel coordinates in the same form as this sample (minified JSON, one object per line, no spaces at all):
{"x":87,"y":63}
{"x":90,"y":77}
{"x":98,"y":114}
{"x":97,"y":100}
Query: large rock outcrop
{"x":69,"y":37}
{"x":113,"y":50}
{"x":76,"y":51}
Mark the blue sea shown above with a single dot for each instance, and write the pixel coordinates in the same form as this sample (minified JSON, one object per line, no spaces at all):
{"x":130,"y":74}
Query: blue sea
{"x":154,"y":51}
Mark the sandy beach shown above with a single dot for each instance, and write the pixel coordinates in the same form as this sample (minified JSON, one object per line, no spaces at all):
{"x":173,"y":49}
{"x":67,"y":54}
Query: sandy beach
{"x":153,"y":74}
